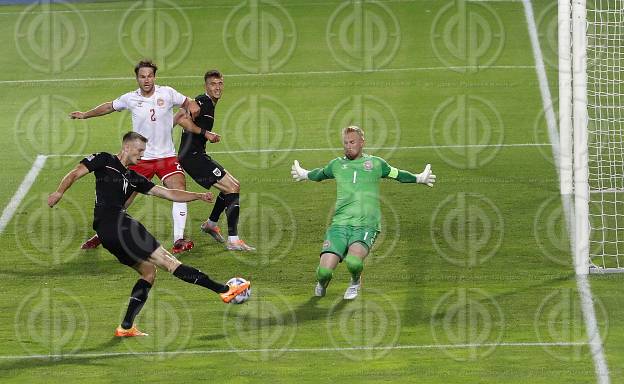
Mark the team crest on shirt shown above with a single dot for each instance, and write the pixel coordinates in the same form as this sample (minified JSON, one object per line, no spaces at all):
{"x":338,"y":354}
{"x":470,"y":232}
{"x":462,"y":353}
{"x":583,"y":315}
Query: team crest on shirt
{"x":326,"y":244}
{"x":217,"y":172}
{"x":160,"y":102}
{"x":368,"y":165}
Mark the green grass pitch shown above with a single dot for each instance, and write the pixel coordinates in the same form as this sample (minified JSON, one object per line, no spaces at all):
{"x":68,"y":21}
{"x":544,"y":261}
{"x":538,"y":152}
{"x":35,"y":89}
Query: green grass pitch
{"x":470,"y":281}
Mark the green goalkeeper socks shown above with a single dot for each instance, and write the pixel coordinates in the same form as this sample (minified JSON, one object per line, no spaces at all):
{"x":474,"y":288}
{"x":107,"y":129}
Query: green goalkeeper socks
{"x":324,"y":276}
{"x":355,"y":266}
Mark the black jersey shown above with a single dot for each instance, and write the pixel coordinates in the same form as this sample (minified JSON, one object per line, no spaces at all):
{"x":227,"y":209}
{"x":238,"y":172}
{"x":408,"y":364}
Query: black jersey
{"x":193,"y":143}
{"x":114,"y":183}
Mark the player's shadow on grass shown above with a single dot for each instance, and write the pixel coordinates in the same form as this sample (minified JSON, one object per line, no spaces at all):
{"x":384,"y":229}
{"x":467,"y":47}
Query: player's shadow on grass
{"x":211,"y":337}
{"x":304,"y":312}
{"x":86,"y":264}
{"x":81,"y":357}
{"x":513,"y":292}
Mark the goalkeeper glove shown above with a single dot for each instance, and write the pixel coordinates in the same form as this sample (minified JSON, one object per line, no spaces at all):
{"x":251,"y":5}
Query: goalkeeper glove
{"x":297,"y":172}
{"x":426,"y":177}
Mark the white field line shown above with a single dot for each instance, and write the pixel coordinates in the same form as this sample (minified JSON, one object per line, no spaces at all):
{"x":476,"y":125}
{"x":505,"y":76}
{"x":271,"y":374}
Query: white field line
{"x":298,"y":73}
{"x":271,"y":150}
{"x":582,"y":283}
{"x":553,"y":133}
{"x":291,"y":350}
{"x":21,"y":192}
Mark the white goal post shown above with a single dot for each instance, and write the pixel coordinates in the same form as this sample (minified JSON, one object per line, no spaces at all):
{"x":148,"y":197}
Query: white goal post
{"x":591,"y":121}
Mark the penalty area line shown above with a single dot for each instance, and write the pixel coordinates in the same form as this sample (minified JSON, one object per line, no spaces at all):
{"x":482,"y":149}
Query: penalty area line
{"x":582,"y":283}
{"x":21,"y":192}
{"x":294,"y":350}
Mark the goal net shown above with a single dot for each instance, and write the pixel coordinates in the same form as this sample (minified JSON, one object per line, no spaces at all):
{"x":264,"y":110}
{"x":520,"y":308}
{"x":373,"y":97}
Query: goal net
{"x":605,"y":128}
{"x":597,"y":118}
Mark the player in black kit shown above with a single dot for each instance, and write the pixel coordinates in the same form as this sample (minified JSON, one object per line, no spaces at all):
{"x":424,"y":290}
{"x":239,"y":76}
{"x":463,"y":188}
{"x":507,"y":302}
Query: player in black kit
{"x":205,"y":170}
{"x":125,"y":237}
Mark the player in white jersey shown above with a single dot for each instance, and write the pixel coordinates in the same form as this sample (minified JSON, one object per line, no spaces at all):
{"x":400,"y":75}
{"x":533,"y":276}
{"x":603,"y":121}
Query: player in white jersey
{"x":151,"y":106}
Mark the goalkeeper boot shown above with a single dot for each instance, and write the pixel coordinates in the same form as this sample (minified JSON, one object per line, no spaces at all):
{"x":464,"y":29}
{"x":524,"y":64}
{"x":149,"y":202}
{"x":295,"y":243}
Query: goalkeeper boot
{"x":353,"y":289}
{"x":132,"y":332}
{"x":233,"y":291}
{"x":214,"y":231}
{"x":319,"y":290}
{"x":239,"y":245}
{"x":92,"y":243}
{"x":182,"y":245}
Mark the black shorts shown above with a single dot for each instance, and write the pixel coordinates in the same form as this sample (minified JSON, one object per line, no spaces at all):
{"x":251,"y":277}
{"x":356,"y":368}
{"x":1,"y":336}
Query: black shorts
{"x":125,"y":238}
{"x":202,"y":168}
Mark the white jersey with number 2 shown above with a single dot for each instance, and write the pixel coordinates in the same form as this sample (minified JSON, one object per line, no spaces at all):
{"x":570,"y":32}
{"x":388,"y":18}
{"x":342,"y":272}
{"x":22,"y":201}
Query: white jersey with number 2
{"x":152,"y":117}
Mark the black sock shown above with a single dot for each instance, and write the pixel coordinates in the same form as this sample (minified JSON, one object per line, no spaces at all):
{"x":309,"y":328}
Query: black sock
{"x":138,"y":297}
{"x":218,"y":208}
{"x":195,"y":276}
{"x":232,"y":212}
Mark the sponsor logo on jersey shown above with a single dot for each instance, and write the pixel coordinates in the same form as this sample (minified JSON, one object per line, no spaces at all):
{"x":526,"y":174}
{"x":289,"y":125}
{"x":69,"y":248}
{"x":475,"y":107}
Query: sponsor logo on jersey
{"x":140,"y":103}
{"x":326,"y":244}
{"x":344,"y":166}
{"x":368,"y":165}
{"x":217,"y":172}
{"x":160,"y":102}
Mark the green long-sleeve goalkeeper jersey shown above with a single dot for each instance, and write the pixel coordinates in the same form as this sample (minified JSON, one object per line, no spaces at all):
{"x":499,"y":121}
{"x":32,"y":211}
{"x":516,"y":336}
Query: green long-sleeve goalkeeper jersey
{"x":357,"y":183}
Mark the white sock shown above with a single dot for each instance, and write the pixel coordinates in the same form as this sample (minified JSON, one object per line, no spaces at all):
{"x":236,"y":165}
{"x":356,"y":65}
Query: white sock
{"x":232,"y":238}
{"x":179,"y":220}
{"x":212,"y":223}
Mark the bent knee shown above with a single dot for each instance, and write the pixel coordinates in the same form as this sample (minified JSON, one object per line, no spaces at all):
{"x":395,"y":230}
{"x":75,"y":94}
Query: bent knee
{"x":235,"y":188}
{"x":149,"y":274}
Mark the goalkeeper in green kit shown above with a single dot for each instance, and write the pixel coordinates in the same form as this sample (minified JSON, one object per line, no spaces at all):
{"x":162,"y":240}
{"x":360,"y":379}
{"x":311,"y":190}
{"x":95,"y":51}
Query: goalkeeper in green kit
{"x":356,"y":222}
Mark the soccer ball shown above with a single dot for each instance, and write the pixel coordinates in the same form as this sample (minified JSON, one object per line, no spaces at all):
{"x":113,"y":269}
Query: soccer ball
{"x":241,"y":297}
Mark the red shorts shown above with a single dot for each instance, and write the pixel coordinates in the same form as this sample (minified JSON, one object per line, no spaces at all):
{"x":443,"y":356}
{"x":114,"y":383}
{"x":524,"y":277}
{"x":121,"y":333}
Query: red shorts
{"x":162,"y":168}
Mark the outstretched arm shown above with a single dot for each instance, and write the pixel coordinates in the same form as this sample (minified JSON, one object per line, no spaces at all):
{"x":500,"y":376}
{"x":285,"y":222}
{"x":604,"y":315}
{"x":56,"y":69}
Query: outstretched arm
{"x":425,"y":177}
{"x":100,"y":110}
{"x":67,"y":182}
{"x":178,"y":195}
{"x":318,"y":174}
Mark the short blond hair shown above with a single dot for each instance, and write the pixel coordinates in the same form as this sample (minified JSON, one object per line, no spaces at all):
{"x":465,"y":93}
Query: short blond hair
{"x":353,"y":128}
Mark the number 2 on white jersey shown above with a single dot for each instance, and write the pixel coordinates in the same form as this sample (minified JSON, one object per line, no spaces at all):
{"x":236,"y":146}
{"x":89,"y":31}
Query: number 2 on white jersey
{"x":153,"y":112}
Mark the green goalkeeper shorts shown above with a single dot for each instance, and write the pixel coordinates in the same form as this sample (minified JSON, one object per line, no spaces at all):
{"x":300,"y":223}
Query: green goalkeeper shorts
{"x":338,"y":238}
